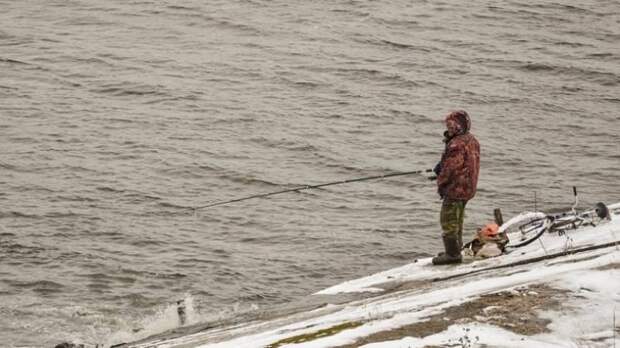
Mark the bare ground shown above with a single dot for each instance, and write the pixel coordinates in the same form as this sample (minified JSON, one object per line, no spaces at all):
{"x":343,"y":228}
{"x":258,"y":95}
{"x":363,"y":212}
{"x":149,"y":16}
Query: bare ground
{"x":512,"y":310}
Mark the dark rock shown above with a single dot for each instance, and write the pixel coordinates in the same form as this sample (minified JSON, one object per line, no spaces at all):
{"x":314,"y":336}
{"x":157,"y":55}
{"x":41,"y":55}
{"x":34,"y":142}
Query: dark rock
{"x":69,"y":345}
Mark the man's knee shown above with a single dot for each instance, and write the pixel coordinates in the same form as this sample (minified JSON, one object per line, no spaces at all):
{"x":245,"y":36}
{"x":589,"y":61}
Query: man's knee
{"x":450,"y":225}
{"x":449,"y":230}
{"x":451,"y":218}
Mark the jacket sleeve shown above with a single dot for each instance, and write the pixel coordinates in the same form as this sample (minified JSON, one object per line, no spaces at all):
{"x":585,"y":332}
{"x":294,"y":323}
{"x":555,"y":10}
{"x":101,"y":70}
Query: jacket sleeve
{"x":454,"y":159}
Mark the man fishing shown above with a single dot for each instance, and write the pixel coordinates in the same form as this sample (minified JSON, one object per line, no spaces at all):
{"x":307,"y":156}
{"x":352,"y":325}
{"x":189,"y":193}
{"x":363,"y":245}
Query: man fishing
{"x":457,"y":179}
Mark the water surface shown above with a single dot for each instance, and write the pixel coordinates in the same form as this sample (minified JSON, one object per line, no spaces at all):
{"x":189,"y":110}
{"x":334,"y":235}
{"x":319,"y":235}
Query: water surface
{"x":115,"y":115}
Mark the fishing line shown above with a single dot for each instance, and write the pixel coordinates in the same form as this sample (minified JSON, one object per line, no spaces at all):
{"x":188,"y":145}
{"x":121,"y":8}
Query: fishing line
{"x":309,"y":187}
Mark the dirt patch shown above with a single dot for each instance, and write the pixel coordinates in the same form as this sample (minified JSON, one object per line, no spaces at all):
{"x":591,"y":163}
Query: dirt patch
{"x":512,"y":310}
{"x":316,"y":335}
{"x":608,"y":267}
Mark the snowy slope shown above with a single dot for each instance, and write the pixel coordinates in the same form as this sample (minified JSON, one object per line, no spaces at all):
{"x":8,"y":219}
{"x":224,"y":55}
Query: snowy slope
{"x":566,"y":301}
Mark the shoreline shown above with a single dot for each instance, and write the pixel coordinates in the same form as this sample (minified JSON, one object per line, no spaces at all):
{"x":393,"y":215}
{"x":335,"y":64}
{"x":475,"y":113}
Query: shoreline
{"x":543,"y":297}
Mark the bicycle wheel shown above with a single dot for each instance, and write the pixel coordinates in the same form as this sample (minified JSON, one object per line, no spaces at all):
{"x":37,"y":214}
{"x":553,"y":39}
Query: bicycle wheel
{"x":525,"y":228}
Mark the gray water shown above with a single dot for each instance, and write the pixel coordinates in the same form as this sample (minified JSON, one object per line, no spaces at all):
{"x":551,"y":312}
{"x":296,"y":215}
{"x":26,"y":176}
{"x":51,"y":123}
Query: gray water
{"x":115,"y":115}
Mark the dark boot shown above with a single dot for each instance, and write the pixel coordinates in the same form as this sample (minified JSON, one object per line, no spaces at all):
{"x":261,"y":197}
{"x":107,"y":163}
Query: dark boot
{"x":452,"y":254}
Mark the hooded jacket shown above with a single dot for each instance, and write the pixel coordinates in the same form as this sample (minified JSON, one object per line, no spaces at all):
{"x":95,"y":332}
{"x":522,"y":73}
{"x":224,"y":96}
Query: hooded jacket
{"x":457,"y":179}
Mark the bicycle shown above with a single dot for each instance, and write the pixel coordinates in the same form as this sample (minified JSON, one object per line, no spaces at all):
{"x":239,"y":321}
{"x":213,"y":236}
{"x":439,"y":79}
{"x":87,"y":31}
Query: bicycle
{"x":527,"y":227}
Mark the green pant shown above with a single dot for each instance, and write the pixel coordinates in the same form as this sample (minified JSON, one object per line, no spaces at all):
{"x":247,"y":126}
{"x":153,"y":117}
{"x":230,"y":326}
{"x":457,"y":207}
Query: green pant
{"x":451,"y":219}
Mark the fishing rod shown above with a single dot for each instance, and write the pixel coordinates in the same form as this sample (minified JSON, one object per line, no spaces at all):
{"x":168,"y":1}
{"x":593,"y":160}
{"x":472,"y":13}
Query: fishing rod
{"x":308,"y":187}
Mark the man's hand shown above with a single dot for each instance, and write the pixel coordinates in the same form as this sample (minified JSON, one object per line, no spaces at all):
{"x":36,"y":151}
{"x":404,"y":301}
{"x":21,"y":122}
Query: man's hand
{"x":437,"y":168}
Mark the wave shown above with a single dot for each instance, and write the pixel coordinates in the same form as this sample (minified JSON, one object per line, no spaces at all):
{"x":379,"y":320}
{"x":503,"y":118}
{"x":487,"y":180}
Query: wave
{"x":17,"y":214}
{"x":402,"y":45}
{"x":127,"y":89}
{"x":128,"y":92}
{"x":602,"y":77}
{"x":108,"y":278}
{"x":13,"y":61}
{"x":42,"y":287}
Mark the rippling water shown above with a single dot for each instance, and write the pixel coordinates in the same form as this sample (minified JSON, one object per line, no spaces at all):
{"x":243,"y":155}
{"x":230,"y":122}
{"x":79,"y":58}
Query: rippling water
{"x":114,"y":115}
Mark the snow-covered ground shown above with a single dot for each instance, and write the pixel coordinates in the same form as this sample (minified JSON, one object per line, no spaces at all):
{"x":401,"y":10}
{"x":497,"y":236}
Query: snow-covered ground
{"x":572,"y":300}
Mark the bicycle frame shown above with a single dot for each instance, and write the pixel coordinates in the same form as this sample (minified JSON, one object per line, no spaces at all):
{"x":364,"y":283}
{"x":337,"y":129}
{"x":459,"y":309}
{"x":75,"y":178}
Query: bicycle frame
{"x":525,"y":228}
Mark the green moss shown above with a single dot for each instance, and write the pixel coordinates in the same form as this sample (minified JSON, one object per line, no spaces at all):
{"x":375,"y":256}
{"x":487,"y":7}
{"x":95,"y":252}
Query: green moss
{"x":316,"y":335}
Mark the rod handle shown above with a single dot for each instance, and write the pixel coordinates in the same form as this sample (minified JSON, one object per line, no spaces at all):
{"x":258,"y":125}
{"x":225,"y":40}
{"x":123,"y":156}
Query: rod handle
{"x":499,"y":220}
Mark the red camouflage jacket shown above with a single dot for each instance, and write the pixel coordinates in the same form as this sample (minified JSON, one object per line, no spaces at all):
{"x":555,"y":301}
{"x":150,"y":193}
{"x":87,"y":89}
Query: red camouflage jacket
{"x":460,"y":165}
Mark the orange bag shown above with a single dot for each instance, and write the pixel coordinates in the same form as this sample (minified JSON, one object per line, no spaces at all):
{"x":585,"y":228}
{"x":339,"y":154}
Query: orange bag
{"x":489,"y":231}
{"x":488,"y":242}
